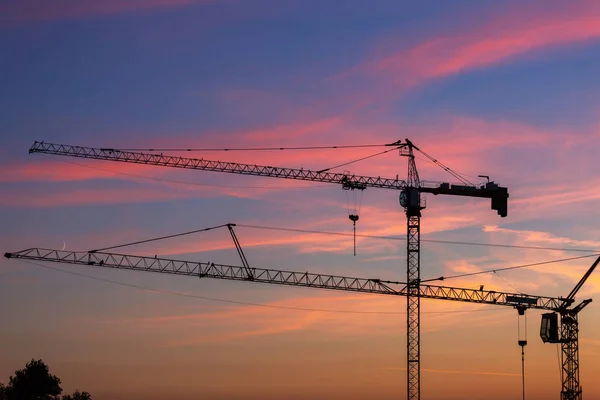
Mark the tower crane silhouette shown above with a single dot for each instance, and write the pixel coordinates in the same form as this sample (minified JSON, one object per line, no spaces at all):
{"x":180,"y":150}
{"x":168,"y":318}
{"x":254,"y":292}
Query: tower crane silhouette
{"x":410,"y":199}
{"x":566,"y":334}
{"x":568,"y":337}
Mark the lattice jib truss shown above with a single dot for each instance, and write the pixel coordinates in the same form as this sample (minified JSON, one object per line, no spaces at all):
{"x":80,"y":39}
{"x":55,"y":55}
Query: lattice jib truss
{"x":280,"y":277}
{"x":489,"y":190}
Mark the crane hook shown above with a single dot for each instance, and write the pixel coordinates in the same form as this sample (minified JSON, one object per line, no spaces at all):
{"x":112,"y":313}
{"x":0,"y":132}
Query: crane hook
{"x":354,"y":218}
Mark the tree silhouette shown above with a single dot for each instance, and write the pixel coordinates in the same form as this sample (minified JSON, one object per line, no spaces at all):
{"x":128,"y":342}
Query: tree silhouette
{"x":77,"y":395}
{"x":34,"y":382}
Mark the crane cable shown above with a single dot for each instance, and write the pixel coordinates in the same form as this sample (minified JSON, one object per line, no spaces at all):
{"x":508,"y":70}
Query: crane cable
{"x":160,"y":238}
{"x":507,"y":282}
{"x":441,"y":278}
{"x":454,"y":242}
{"x":372,"y":237}
{"x":446,"y":168}
{"x":257,"y":148}
{"x":487,"y":271}
{"x":311,"y":186}
{"x":357,"y":160}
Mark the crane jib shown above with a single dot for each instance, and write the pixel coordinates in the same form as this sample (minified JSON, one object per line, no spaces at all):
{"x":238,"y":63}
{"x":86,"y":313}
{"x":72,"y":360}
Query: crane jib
{"x":281,"y":277}
{"x":109,"y":154}
{"x":498,"y":194}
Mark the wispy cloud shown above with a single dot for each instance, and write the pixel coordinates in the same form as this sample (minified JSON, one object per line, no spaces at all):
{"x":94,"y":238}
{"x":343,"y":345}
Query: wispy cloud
{"x":552,"y":278}
{"x":238,"y":322}
{"x":455,"y":372}
{"x":540,"y":238}
{"x":511,"y":34}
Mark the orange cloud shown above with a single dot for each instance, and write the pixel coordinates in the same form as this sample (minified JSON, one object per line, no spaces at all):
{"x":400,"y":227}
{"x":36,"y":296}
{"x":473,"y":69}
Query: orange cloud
{"x":375,"y":222}
{"x":549,"y":279}
{"x":558,"y":277}
{"x":454,"y":372}
{"x":361,"y":315}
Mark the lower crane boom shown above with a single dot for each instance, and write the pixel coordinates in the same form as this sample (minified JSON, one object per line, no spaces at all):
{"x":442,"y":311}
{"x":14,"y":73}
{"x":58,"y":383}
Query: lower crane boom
{"x":281,"y":277}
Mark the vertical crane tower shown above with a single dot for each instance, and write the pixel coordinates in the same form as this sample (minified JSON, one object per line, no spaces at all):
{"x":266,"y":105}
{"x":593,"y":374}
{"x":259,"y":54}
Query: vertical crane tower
{"x":410,"y":200}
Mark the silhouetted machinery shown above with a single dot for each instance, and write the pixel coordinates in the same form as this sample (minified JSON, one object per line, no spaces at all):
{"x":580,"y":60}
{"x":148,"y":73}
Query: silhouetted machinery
{"x":410,"y":199}
{"x":567,"y":334}
{"x":413,"y":289}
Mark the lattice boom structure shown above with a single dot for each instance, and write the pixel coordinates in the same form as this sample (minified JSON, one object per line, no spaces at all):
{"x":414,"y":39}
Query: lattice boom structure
{"x":280,"y":277}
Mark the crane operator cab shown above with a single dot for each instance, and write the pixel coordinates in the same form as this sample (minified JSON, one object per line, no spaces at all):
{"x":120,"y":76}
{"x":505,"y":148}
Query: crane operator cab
{"x":549,"y":328}
{"x":410,"y":199}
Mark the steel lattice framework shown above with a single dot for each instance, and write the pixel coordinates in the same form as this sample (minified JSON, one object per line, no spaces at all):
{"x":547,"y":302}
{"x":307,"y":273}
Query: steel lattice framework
{"x":413,"y":306}
{"x":571,"y":390}
{"x":410,"y":199}
{"x":569,"y":344}
{"x":215,"y":166}
{"x":350,"y":181}
{"x":569,"y":329}
{"x":280,"y":277}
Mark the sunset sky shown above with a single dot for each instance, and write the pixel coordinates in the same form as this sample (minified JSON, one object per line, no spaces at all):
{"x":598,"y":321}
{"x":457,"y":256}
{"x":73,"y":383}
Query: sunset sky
{"x":507,"y":89}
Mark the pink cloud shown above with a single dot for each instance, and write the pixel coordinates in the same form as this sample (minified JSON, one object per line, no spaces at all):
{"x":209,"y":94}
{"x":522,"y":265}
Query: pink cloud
{"x":88,"y":197}
{"x":69,"y":170}
{"x":375,"y":222}
{"x":510,"y":35}
{"x":465,"y":150}
{"x":14,"y":12}
{"x":240,"y":322}
{"x":540,"y":238}
{"x":556,"y":197}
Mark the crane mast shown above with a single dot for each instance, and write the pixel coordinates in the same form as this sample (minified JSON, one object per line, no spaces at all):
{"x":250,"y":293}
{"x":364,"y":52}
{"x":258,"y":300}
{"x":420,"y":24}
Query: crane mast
{"x":568,"y":337}
{"x":410,"y":199}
